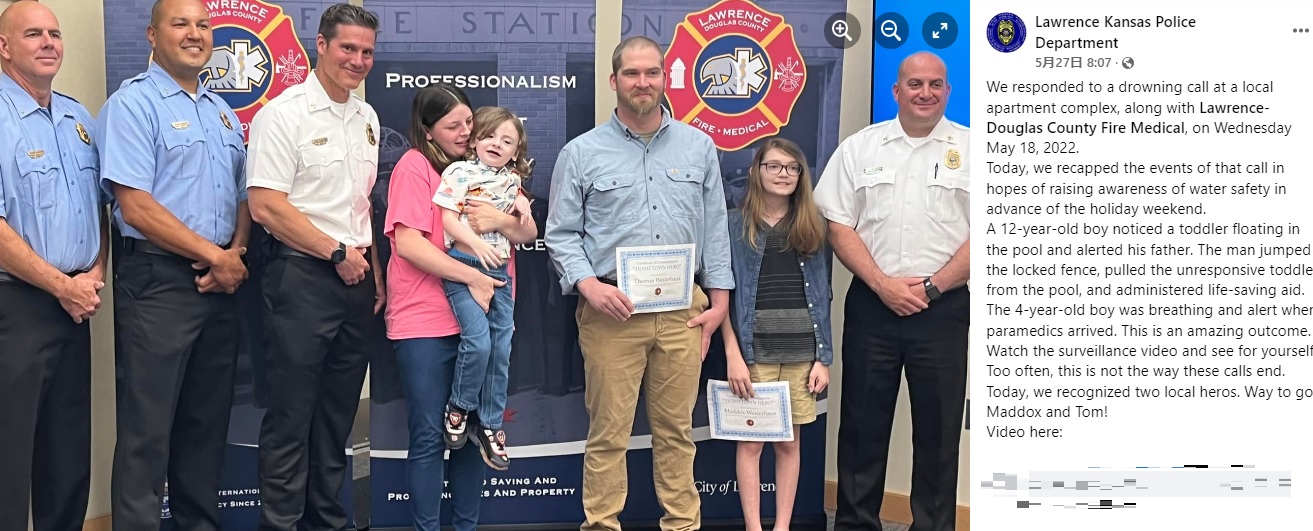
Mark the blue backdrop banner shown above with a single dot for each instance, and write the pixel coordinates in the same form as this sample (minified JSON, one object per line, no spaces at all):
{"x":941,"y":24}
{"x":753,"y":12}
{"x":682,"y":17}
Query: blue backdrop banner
{"x":538,"y":62}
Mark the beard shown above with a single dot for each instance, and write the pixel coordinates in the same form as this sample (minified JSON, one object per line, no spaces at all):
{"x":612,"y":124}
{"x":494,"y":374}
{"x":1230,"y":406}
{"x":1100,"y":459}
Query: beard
{"x":640,"y":109}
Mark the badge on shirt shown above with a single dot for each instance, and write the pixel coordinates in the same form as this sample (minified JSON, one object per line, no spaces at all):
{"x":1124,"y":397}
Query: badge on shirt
{"x":226,"y":123}
{"x":952,"y":159}
{"x":872,"y":171}
{"x":319,"y":141}
{"x":180,"y":125}
{"x":36,"y":153}
{"x":82,"y":133}
{"x":369,"y":133}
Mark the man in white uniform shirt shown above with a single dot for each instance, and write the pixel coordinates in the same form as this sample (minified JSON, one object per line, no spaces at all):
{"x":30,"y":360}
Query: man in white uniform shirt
{"x":897,"y":196}
{"x":314,"y":160}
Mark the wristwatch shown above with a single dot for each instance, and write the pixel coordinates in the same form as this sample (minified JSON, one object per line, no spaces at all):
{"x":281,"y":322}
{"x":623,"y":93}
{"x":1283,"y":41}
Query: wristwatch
{"x":930,"y":290}
{"x":339,"y":255}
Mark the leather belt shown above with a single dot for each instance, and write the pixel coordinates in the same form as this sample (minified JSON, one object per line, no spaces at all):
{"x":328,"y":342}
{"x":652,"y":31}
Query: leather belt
{"x":134,"y":245}
{"x":6,"y":277}
{"x":282,"y":249}
{"x":287,"y":250}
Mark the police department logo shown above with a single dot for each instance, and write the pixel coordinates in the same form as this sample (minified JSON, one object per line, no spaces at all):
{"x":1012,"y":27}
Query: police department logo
{"x":256,"y":56}
{"x":735,"y":73}
{"x":1006,"y":32}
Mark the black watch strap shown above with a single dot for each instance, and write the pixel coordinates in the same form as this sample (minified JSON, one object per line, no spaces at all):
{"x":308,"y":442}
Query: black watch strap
{"x":339,"y":255}
{"x":931,"y":291}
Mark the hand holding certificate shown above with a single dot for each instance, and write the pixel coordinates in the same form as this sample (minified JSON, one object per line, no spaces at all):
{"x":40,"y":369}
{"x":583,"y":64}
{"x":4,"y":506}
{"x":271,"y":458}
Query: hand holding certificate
{"x":656,"y":278}
{"x":765,"y":417}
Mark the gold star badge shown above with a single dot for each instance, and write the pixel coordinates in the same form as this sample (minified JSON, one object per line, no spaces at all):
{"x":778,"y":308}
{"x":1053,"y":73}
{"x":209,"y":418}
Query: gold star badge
{"x":226,"y":123}
{"x":82,"y":133}
{"x":369,"y":133}
{"x":952,"y":159}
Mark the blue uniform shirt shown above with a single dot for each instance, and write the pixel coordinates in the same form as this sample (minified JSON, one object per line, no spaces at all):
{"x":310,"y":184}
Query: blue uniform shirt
{"x":48,"y":167}
{"x":188,"y":154}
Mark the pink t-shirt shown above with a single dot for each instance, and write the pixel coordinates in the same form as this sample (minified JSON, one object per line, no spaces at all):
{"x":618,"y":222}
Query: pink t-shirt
{"x":417,"y":305}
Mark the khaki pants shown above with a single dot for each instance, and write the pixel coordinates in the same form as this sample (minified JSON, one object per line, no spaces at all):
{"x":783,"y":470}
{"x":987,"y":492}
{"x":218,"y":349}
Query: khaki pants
{"x":658,"y":351}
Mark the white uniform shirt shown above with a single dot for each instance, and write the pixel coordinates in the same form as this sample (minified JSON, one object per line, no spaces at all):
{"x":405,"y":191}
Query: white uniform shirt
{"x":323,"y":155}
{"x":908,"y":199}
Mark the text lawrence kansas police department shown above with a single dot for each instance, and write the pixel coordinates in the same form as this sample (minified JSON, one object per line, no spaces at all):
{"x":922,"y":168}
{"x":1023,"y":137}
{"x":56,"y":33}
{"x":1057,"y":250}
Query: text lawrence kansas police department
{"x":1107,"y":22}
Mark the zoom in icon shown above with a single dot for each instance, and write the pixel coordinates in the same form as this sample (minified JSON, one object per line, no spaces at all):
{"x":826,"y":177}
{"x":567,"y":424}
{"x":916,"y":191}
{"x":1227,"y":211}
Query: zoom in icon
{"x":842,"y":30}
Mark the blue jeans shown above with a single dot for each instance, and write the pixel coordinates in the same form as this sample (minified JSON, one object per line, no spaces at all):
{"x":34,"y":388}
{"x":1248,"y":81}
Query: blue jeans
{"x":484,"y":363}
{"x":427,"y":367}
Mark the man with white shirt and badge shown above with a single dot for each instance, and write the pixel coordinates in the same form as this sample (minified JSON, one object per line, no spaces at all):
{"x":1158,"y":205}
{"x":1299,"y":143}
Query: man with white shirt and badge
{"x":897,"y":196}
{"x":314,"y":161}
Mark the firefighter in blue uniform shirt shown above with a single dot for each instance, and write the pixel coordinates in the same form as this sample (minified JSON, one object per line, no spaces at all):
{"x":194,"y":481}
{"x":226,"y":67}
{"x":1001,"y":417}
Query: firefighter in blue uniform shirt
{"x":175,"y":163}
{"x":52,"y":266}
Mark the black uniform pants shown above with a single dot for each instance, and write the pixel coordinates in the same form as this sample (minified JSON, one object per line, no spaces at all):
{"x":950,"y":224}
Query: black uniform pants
{"x":317,"y":336}
{"x":45,"y":411}
{"x":878,"y":346}
{"x":176,"y":352}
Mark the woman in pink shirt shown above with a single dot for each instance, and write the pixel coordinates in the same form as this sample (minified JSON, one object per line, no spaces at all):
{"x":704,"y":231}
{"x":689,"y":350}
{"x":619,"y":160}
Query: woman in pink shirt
{"x":425,"y":333}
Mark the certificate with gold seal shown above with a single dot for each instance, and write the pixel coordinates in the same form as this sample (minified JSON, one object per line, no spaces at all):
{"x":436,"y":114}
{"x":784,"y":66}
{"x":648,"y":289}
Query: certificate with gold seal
{"x":656,"y":278}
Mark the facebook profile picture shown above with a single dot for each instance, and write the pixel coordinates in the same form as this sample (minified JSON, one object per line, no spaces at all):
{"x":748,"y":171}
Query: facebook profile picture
{"x":1006,"y":32}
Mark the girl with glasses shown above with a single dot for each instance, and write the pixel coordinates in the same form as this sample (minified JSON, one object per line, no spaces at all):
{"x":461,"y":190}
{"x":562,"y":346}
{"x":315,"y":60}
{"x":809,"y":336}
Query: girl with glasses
{"x":779,"y":323}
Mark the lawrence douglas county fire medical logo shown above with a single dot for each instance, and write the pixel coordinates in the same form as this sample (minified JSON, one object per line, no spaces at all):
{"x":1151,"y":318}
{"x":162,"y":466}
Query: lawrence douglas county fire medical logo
{"x":256,"y":55}
{"x":735,"y":73}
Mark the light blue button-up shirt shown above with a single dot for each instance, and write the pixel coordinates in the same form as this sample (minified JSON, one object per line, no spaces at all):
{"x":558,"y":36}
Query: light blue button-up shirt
{"x":48,"y":167}
{"x":611,"y":189}
{"x":188,"y":154}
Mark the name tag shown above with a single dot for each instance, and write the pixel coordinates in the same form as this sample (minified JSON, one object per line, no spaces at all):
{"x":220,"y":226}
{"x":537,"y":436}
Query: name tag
{"x":181,"y":125}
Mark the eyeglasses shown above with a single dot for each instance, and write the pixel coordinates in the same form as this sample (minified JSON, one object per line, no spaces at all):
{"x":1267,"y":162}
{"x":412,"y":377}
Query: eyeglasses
{"x":774,"y":168}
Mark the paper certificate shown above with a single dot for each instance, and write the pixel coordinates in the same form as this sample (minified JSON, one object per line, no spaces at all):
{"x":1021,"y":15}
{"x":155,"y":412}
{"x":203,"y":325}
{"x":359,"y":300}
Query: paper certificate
{"x":767,"y":416}
{"x":656,"y":278}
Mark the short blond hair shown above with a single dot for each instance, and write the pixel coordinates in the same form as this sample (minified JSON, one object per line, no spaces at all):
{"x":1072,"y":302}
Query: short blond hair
{"x":637,"y":41}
